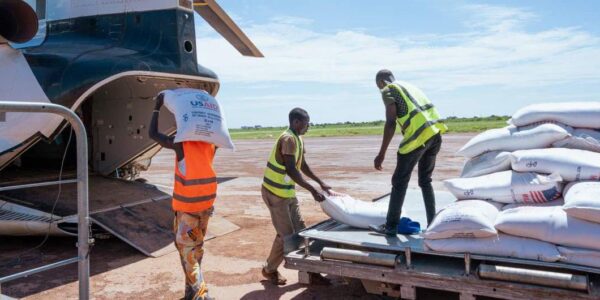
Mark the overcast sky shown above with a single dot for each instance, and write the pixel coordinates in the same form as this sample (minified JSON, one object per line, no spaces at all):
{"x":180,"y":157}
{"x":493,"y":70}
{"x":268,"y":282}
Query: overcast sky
{"x":471,"y":58}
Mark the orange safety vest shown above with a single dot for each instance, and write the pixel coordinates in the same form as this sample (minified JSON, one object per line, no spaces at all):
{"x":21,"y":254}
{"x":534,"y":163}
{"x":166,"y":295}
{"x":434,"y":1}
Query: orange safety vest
{"x":196,"y":190}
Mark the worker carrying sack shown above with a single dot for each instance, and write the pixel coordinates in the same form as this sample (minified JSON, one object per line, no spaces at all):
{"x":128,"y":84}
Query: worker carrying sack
{"x":582,"y":200}
{"x":570,"y":164}
{"x":502,"y":245}
{"x":575,"y":114}
{"x":198,"y":116}
{"x":513,"y":138}
{"x":581,"y":138}
{"x":550,"y":224}
{"x":507,"y":187}
{"x":487,"y":163}
{"x":464,"y":219}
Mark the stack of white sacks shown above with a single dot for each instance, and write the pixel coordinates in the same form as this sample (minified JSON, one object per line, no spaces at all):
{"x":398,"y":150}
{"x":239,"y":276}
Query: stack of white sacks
{"x":530,"y":190}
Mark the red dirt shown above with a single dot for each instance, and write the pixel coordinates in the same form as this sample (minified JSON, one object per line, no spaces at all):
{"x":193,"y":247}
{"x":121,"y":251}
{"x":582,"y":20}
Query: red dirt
{"x":231,"y":262}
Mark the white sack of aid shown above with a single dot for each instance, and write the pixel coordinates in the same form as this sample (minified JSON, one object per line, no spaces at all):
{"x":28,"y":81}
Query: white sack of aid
{"x":198,"y":116}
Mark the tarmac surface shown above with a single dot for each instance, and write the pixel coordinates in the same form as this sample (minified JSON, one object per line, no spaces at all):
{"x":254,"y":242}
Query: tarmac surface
{"x":232,"y":262}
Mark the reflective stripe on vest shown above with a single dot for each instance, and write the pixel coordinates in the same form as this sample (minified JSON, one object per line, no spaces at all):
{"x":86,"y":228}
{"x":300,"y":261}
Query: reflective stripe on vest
{"x":413,"y":114}
{"x":196,"y":190}
{"x":276,"y":179}
{"x":420,"y":123}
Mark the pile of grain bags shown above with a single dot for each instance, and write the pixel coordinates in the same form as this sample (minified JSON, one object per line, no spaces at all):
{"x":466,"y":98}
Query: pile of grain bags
{"x":469,"y":226}
{"x":547,"y":153}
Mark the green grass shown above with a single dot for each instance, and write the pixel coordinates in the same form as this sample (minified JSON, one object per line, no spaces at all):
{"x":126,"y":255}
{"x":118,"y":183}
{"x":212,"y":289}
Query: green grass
{"x":475,"y":124}
{"x":369,"y":128}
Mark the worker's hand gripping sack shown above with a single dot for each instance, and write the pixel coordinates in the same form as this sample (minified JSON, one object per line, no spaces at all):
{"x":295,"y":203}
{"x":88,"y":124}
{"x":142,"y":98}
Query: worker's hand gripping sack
{"x":199,"y":117}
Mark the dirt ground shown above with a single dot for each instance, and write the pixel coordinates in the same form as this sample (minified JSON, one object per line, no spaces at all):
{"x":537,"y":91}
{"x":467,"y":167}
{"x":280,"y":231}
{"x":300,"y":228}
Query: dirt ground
{"x":232,"y":262}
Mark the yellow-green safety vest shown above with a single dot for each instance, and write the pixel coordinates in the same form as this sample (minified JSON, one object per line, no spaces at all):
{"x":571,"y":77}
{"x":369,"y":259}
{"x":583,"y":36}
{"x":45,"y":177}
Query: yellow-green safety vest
{"x":276,"y":179}
{"x":421,"y":121}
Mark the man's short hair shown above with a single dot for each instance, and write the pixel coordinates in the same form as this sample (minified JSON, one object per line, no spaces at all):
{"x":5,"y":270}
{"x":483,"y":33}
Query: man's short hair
{"x":384,"y":75}
{"x":298,"y":114}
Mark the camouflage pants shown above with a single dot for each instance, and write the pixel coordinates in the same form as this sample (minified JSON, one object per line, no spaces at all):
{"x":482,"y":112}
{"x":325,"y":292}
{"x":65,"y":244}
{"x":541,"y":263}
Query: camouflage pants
{"x":190,"y":230}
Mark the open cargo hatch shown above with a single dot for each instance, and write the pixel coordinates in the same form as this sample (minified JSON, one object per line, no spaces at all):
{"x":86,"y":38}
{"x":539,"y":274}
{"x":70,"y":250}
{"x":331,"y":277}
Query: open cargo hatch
{"x":136,"y":212}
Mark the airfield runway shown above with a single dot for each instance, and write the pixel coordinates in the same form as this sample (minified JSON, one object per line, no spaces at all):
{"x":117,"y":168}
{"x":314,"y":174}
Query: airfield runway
{"x":232,"y":262}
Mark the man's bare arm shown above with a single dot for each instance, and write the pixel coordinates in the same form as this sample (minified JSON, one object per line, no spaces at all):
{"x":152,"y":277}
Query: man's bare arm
{"x":290,"y":169}
{"x":388,"y":133}
{"x":161,"y":138}
{"x":308,"y":172}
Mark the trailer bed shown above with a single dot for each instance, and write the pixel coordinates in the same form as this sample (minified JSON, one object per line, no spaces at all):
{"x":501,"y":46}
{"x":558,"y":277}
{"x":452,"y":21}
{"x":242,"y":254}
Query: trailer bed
{"x":416,"y":266}
{"x":341,"y":234}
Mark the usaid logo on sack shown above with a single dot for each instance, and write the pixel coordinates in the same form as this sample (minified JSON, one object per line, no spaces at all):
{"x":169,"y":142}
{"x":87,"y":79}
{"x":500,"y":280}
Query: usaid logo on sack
{"x":201,"y":102}
{"x":531,"y":164}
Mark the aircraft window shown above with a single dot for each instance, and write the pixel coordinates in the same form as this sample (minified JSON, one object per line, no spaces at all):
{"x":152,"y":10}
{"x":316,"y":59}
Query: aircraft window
{"x":40,"y":9}
{"x":188,"y":46}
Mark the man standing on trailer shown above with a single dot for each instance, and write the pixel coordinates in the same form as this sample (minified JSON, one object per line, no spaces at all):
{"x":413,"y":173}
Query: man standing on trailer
{"x":194,"y":193}
{"x":278,"y":191}
{"x":422,"y":131}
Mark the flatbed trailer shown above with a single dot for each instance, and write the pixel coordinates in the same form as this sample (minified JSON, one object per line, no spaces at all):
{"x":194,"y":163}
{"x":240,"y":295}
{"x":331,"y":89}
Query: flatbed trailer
{"x":397,"y":266}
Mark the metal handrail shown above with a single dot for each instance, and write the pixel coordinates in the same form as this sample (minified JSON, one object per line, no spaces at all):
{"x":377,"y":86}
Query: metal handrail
{"x":83,"y":234}
{"x":37,"y":184}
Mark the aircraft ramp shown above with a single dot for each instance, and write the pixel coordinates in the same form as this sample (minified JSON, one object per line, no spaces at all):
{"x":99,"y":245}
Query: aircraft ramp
{"x":138,"y":213}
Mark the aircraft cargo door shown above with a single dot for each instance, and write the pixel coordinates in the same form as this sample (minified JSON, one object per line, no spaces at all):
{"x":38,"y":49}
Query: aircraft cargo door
{"x":137,"y":213}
